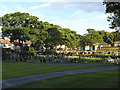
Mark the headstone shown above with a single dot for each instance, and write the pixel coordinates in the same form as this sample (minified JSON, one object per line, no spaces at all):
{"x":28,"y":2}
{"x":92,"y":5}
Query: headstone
{"x":85,"y":61}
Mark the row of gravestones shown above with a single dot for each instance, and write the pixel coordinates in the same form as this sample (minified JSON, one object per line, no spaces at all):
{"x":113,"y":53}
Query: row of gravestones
{"x":50,"y":60}
{"x":94,"y":53}
{"x":56,"y":59}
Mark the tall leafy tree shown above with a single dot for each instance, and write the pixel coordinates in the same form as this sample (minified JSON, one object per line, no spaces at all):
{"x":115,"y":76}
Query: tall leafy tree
{"x":38,"y":34}
{"x":107,"y":36}
{"x":23,"y":27}
{"x":92,"y":37}
{"x":116,"y":35}
{"x":68,"y":37}
{"x":54,"y":36}
{"x":17,"y":25}
{"x":79,"y":40}
{"x":114,"y":9}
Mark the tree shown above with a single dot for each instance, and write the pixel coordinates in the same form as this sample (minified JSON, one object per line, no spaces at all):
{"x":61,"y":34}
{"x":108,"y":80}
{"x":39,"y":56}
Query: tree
{"x":22,"y":27}
{"x":107,"y":36}
{"x":114,"y":9}
{"x":79,"y":40}
{"x":17,"y":25}
{"x":92,"y":37}
{"x":32,"y":51}
{"x":54,"y":37}
{"x":38,"y":34}
{"x":73,"y":37}
{"x":116,"y":35}
{"x":69,"y":38}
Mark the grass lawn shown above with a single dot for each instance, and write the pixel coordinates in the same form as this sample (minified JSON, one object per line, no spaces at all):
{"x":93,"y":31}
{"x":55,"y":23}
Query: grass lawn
{"x":101,"y":79}
{"x":14,"y":61}
{"x":88,"y":58}
{"x":19,"y":70}
{"x":71,"y":56}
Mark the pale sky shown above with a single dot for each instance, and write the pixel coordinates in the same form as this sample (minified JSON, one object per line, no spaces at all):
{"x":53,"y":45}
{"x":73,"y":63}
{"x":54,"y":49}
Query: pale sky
{"x":77,"y":15}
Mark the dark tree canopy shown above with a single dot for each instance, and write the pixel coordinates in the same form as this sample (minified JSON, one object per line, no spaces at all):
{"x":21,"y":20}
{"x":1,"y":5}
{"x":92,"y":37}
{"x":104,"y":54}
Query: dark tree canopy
{"x":114,"y":9}
{"x":23,"y":27}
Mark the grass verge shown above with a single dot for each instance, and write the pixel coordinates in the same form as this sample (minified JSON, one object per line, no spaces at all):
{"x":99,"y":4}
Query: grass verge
{"x":19,"y":70}
{"x":101,"y":79}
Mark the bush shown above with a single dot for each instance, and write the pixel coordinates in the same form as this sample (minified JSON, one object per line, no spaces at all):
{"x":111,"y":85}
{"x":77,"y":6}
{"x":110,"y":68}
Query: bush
{"x":49,"y":52}
{"x":6,"y":53}
{"x":24,"y":53}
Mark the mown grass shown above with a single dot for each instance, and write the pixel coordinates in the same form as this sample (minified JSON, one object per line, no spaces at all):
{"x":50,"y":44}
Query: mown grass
{"x":19,"y":70}
{"x":101,"y":79}
{"x":88,"y":58}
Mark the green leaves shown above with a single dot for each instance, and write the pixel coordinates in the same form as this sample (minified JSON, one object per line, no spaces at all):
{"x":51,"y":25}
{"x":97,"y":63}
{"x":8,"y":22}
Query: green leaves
{"x":31,"y":50}
{"x":23,"y":27}
{"x":114,"y":9}
{"x":92,"y":37}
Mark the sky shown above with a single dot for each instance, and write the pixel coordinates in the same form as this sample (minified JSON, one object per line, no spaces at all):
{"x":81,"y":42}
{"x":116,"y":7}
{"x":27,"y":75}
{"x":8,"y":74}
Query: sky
{"x":77,"y":15}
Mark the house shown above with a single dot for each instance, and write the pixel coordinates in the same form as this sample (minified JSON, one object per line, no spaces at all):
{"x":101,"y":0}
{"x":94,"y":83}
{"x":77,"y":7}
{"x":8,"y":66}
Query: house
{"x":61,"y":47}
{"x":28,"y":43}
{"x":89,"y":47}
{"x":103,"y":45}
{"x":5,"y":43}
{"x":116,"y":44}
{"x":17,"y":45}
{"x":108,"y":47}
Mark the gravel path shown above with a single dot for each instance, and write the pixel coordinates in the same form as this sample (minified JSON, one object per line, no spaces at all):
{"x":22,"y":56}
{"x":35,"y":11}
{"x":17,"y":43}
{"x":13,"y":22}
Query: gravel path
{"x":9,"y":83}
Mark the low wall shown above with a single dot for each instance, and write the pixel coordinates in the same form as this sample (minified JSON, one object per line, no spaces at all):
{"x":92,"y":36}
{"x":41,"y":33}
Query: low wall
{"x":110,"y":48}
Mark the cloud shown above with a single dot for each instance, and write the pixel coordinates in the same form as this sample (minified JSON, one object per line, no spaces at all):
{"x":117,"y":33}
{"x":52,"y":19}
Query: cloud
{"x":59,"y":0}
{"x":86,"y":6}
{"x":40,"y":6}
{"x":80,"y":22}
{"x":53,"y":0}
{"x":25,"y":0}
{"x":77,"y":16}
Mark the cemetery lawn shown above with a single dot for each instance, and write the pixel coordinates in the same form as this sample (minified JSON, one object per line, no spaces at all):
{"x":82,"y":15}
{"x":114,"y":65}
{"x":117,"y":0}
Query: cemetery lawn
{"x":101,"y":79}
{"x":19,"y":70}
{"x":88,"y":58}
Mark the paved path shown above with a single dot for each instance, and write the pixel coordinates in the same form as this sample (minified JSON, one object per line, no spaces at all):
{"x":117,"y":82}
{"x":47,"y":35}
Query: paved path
{"x":9,"y":83}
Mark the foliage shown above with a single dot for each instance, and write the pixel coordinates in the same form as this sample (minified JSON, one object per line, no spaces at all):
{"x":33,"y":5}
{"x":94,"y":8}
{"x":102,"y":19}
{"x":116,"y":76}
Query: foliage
{"x":107,"y":36}
{"x":23,"y":27}
{"x":32,"y":51}
{"x":92,"y":37}
{"x":116,"y":35}
{"x":4,"y":53}
{"x":114,"y":9}
{"x":54,"y":36}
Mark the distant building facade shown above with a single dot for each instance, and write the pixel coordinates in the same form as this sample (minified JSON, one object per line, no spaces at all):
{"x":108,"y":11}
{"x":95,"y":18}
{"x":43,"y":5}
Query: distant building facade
{"x":116,"y":44}
{"x":5,"y":43}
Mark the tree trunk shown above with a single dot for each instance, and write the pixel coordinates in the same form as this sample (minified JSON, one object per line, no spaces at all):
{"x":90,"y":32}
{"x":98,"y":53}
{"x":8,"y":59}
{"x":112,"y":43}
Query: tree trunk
{"x":56,"y":49}
{"x":46,"y":48}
